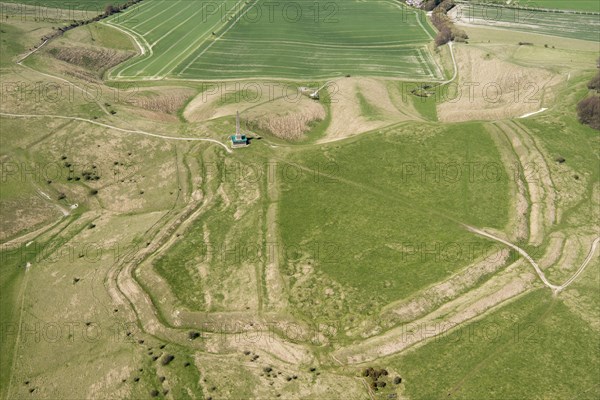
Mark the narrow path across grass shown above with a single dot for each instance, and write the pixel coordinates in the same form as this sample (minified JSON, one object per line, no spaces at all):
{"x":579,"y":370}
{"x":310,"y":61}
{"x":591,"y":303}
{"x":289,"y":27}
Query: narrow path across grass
{"x":556,"y":289}
{"x":189,"y":139}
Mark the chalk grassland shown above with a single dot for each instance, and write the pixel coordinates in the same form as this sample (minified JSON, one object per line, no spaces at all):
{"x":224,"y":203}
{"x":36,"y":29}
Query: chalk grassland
{"x":313,"y":40}
{"x":585,"y":27}
{"x":121,"y":214}
{"x":348,"y":214}
{"x":218,"y":266}
{"x":343,"y":256}
{"x":369,"y":212}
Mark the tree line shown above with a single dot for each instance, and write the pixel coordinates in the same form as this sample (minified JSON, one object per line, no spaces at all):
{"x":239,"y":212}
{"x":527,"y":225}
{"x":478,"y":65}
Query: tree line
{"x":447,"y":31}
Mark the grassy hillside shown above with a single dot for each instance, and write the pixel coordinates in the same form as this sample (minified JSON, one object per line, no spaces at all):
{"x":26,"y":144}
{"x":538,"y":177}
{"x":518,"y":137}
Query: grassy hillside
{"x":573,"y":5}
{"x":367,"y":202}
{"x":163,"y":265}
{"x":533,"y":348}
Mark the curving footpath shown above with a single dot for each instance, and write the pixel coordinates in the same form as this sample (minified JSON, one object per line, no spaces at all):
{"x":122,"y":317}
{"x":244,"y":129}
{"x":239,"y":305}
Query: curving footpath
{"x":116,"y":128}
{"x":83,"y":90}
{"x":555,"y":289}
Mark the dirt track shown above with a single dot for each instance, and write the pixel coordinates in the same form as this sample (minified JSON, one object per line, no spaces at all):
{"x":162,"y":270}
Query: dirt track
{"x":556,"y":289}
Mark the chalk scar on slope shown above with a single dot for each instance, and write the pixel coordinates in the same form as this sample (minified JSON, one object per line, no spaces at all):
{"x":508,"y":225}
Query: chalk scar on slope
{"x":541,"y":110}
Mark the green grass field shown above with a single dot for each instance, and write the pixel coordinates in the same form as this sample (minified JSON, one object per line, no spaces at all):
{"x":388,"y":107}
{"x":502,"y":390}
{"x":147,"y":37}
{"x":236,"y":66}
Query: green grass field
{"x":415,"y":197}
{"x":11,"y":282}
{"x":373,"y":208}
{"x":241,"y":40}
{"x":553,"y":350}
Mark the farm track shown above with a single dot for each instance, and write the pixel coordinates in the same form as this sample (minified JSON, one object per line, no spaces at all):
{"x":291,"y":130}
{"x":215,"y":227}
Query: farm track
{"x":455,"y":75}
{"x":29,"y":236}
{"x":472,"y":305}
{"x":443,"y":214}
{"x":395,"y":340}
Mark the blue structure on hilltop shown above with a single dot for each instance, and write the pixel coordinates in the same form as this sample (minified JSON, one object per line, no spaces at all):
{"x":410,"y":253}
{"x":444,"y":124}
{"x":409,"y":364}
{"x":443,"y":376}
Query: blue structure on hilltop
{"x":238,"y":140}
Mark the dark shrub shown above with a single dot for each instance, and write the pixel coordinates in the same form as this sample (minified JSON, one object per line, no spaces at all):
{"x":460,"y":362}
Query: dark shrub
{"x":443,"y":37}
{"x":167,"y":359}
{"x":594,"y":84}
{"x":588,"y":111}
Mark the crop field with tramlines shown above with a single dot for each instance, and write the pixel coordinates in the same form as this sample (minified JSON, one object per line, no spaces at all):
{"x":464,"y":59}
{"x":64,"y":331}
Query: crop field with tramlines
{"x":299,"y":40}
{"x":568,"y":24}
{"x":576,"y":5}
